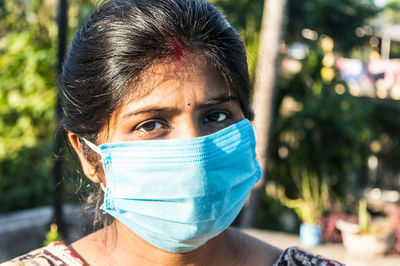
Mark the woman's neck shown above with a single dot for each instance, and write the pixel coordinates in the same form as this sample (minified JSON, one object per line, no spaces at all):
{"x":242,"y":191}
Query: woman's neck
{"x":118,"y":245}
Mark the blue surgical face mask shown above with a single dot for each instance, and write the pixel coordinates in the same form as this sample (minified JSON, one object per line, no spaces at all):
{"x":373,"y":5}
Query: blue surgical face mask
{"x":178,"y":194}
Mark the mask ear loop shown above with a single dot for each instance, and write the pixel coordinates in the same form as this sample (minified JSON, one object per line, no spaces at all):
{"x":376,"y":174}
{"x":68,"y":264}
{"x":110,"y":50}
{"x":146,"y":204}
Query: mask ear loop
{"x":96,"y":149}
{"x":92,"y":146}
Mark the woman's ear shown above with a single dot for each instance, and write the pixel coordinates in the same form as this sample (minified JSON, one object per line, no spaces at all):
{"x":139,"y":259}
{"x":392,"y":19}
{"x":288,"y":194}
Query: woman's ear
{"x":89,"y":169}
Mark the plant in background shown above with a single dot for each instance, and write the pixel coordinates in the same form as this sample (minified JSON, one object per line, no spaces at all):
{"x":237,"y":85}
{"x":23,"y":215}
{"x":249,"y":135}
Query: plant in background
{"x":313,"y":199}
{"x":369,"y":236}
{"x":53,"y":235}
{"x":311,"y":204}
{"x":364,"y":218}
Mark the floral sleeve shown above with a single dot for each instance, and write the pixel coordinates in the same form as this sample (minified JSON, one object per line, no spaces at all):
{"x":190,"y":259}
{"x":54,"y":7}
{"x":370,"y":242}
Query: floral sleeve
{"x":55,"y":253}
{"x":297,"y":257}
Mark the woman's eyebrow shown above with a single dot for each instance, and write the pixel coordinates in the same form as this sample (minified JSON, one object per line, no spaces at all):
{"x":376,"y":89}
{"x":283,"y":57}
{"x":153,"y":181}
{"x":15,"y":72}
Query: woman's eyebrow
{"x":150,"y":109}
{"x":157,"y":109}
{"x":219,"y":100}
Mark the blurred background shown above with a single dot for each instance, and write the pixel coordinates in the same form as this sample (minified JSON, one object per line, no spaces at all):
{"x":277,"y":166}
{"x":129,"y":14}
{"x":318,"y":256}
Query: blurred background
{"x":334,"y":142}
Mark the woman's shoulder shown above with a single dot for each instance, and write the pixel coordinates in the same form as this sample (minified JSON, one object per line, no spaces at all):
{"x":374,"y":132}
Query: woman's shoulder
{"x":295,"y":256}
{"x":267,"y":254}
{"x":56,"y":253}
{"x":257,"y":251}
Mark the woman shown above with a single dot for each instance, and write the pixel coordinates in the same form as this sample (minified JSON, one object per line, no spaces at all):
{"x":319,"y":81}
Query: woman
{"x":156,"y":102}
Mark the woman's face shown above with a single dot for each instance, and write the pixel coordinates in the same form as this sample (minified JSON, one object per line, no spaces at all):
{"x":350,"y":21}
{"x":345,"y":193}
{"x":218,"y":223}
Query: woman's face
{"x":182,"y":99}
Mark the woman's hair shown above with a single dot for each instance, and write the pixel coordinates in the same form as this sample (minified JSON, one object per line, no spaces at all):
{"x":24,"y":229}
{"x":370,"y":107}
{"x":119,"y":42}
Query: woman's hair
{"x":124,"y":38}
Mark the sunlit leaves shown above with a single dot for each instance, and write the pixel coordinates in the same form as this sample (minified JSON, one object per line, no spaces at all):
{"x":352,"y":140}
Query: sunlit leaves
{"x":28,"y":33}
{"x":28,"y":57}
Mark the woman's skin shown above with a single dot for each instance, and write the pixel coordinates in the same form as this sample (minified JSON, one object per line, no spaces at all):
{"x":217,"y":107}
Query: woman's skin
{"x":180,"y":99}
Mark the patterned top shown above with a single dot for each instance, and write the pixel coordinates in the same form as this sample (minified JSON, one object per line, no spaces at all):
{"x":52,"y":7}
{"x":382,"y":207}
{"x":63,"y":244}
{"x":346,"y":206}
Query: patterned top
{"x":295,"y":256}
{"x":54,"y":254}
{"x":57,"y":254}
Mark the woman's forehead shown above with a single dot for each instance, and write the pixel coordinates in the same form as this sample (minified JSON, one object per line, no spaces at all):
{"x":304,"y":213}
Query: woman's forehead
{"x":183,"y":66}
{"x":179,"y":80}
{"x":174,"y":74}
{"x":171,"y":82}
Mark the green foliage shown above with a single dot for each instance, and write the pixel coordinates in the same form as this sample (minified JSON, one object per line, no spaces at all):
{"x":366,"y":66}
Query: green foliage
{"x":27,"y":79}
{"x":327,"y":135}
{"x":28,"y":54}
{"x":245,"y":16}
{"x":27,"y":97}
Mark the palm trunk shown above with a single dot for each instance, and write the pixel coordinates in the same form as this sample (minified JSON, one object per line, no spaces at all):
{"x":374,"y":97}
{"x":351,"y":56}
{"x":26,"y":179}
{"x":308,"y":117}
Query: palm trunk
{"x":263,"y":101}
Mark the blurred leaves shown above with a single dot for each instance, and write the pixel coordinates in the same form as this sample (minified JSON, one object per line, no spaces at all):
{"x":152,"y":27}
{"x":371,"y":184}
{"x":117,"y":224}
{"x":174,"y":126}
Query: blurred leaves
{"x":27,"y":97}
{"x":335,"y":18}
{"x":327,"y":136}
{"x":245,"y":16}
{"x":28,"y":54}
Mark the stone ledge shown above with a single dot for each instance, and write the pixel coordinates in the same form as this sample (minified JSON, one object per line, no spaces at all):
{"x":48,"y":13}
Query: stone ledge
{"x":23,"y":231}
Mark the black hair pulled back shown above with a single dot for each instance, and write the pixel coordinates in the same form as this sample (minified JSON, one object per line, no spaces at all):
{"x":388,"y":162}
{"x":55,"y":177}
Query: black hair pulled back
{"x":123,"y":38}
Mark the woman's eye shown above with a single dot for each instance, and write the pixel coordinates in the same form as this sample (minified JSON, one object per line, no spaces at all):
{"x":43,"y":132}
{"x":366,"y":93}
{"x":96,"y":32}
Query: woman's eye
{"x":150,"y":126}
{"x":216,"y":117}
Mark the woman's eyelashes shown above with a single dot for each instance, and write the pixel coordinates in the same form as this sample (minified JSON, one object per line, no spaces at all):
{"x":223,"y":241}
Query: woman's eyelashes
{"x":217,"y":117}
{"x":216,"y":120}
{"x":150,"y":126}
{"x":151,"y":129}
{"x":156,"y":128}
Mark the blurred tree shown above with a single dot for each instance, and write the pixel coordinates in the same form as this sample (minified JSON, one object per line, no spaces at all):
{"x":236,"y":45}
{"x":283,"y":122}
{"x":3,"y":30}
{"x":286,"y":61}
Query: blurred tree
{"x":28,"y":35}
{"x":317,"y":129}
{"x":319,"y":126}
{"x":335,"y":18}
